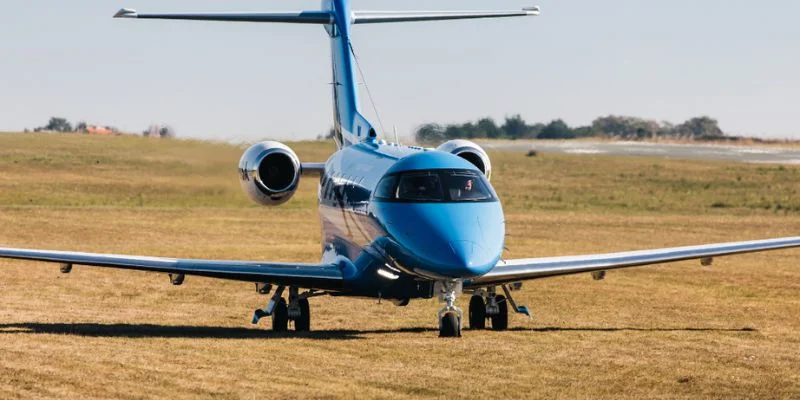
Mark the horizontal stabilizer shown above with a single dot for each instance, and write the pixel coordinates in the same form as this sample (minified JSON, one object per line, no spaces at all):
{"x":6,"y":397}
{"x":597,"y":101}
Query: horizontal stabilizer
{"x":373,"y":17}
{"x":300,"y":17}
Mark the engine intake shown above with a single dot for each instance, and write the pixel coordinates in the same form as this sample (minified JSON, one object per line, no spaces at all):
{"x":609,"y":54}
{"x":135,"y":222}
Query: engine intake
{"x":269,"y":173}
{"x":470,"y":152}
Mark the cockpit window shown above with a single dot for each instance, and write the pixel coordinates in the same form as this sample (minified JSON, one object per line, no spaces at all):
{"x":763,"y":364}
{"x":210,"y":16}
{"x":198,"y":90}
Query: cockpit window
{"x":466,"y":186}
{"x":435,"y":186}
{"x":419,"y":186}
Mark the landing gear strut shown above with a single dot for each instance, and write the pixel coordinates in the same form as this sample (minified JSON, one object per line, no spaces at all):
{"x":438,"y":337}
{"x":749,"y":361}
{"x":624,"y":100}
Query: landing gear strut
{"x":487,"y":304}
{"x":297,"y":309}
{"x":450,"y":316}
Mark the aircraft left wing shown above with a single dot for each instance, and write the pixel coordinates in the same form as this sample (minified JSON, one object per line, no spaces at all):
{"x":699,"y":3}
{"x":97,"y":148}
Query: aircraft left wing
{"x":536,"y":268}
{"x":312,"y":276}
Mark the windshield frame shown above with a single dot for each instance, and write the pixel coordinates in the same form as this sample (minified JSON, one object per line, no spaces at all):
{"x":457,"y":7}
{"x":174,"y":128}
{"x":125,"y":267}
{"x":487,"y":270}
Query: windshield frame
{"x":444,"y":175}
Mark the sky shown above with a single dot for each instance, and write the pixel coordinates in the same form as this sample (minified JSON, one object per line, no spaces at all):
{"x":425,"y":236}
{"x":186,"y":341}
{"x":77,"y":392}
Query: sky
{"x":736,"y":61}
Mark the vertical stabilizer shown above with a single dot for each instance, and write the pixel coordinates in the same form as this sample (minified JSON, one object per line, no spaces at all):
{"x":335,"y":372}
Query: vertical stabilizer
{"x":349,"y":125}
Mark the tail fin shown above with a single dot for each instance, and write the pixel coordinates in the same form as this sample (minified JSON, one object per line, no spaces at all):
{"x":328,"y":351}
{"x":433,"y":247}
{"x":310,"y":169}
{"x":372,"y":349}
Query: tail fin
{"x":350,"y":126}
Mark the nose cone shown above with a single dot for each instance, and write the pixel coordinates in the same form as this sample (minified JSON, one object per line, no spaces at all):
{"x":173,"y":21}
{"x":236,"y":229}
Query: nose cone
{"x":450,"y":240}
{"x":468,"y":256}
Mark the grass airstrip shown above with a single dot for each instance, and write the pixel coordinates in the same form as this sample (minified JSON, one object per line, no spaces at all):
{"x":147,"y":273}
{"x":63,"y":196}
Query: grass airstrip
{"x":727,"y":331}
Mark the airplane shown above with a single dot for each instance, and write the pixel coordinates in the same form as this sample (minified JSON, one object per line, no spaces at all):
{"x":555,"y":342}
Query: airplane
{"x":398,"y":222}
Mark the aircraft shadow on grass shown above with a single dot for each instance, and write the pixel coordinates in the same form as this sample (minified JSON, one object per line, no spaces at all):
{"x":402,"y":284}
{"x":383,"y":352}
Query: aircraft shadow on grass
{"x":212,"y":332}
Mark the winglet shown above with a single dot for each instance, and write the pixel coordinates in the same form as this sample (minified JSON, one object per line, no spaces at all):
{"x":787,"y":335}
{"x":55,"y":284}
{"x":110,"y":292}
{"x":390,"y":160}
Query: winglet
{"x":126,"y":13}
{"x":532,"y":10}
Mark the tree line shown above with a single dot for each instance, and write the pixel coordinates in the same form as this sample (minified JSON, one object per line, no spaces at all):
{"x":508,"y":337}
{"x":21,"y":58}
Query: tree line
{"x":58,"y":124}
{"x":628,"y":128}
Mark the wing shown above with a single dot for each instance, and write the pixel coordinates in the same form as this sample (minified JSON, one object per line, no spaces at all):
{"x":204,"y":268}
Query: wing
{"x":316,"y":276}
{"x":535,"y":268}
{"x":300,"y":17}
{"x":372,"y":17}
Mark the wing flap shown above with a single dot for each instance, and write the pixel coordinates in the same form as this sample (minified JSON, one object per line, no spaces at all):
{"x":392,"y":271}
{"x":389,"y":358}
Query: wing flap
{"x":317,"y":276}
{"x":536,"y":268}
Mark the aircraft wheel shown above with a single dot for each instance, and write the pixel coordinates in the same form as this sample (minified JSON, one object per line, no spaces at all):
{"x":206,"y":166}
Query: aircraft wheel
{"x":450,"y":326}
{"x":477,"y":313}
{"x":280,"y":316}
{"x":303,"y":322}
{"x":500,"y":321}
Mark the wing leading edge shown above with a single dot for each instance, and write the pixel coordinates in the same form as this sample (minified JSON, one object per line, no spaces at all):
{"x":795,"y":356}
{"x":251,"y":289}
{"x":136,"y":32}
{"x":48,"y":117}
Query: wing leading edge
{"x":316,"y":276}
{"x":536,"y":268}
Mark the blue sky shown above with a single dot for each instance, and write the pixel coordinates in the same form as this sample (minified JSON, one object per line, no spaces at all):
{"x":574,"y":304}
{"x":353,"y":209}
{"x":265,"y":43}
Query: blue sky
{"x":733,"y":60}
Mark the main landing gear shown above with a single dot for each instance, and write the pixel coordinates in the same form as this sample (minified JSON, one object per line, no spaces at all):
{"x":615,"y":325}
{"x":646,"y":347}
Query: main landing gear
{"x":486,"y":304}
{"x":297,"y":309}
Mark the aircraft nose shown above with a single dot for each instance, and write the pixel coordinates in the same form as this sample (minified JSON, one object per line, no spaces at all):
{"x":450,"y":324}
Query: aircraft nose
{"x":446,"y":240}
{"x":467,"y":258}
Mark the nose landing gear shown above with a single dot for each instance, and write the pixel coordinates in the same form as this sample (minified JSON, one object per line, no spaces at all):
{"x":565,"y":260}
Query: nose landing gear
{"x":450,"y":316}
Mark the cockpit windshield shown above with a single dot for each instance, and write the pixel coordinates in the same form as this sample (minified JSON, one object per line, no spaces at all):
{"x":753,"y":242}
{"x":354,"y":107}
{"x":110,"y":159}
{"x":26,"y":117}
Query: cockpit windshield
{"x":442,"y":185}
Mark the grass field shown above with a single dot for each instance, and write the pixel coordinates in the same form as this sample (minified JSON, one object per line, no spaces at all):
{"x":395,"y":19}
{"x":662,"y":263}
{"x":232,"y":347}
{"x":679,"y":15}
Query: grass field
{"x":675,"y":331}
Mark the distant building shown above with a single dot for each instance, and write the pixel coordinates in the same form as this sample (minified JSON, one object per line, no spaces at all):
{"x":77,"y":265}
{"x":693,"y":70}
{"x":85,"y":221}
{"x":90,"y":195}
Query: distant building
{"x":100,"y":130}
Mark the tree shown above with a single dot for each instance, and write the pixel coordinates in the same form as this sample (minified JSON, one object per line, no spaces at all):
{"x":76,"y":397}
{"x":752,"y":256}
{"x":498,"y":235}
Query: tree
{"x":430,"y":134}
{"x":557,"y":129}
{"x":700,"y":128}
{"x":626,"y":127}
{"x":58,"y":125}
{"x":166,"y":132}
{"x":515,"y":127}
{"x":489,"y":129}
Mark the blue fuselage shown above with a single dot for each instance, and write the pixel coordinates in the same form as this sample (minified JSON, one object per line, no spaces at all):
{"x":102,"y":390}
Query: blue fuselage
{"x":398,"y":247}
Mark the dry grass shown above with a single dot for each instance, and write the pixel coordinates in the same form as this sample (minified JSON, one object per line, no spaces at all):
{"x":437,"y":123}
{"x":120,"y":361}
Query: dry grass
{"x":668,"y":332}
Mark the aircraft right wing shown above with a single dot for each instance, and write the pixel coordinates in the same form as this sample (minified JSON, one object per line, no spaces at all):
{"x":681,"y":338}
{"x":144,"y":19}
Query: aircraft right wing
{"x":311,"y":276}
{"x":537,"y":268}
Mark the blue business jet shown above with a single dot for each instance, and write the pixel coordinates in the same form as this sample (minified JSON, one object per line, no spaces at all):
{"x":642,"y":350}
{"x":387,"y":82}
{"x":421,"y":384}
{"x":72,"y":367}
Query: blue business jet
{"x":398,"y":222}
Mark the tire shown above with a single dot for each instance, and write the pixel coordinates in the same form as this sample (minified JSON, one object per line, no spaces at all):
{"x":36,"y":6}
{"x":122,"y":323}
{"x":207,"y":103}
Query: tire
{"x":477,"y":313}
{"x":280,"y":317}
{"x":303,"y":322}
{"x":450,"y":326}
{"x":500,"y":321}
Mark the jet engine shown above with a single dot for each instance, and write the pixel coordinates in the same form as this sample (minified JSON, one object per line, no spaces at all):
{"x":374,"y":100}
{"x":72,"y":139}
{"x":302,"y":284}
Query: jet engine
{"x":470,"y":152}
{"x":269,"y":173}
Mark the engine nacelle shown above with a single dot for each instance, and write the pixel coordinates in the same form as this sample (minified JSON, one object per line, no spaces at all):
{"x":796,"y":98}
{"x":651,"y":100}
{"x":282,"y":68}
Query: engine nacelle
{"x":269,"y":173}
{"x":470,"y":152}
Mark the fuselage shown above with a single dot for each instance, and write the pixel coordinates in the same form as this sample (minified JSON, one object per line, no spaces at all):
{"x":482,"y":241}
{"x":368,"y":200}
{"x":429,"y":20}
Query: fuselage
{"x":406,"y":216}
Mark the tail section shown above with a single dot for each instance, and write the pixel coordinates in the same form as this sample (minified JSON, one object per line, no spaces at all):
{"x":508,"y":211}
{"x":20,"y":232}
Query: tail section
{"x":350,"y":126}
